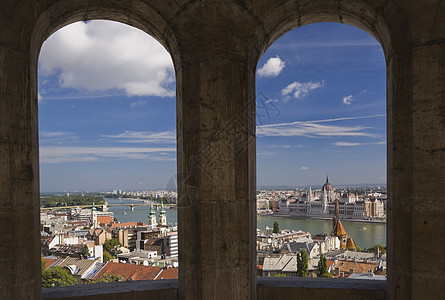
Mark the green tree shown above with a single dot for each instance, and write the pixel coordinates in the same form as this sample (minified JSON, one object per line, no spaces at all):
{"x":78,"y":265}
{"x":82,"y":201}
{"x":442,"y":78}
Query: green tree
{"x":109,"y":278}
{"x":276,"y":227}
{"x":302,"y":264}
{"x":56,"y":276}
{"x":373,"y":249}
{"x":107,"y":256}
{"x":72,"y":200}
{"x":110,"y":244}
{"x":322,"y":270}
{"x":85,"y":251}
{"x":106,"y":278}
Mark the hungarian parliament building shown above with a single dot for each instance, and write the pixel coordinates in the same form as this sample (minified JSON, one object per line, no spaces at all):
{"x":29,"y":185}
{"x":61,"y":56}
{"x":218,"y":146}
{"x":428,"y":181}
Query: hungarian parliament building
{"x":322,"y":205}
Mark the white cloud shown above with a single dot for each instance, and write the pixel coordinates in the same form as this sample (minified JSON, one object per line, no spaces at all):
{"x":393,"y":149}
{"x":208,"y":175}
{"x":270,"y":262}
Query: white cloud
{"x":145,"y":137}
{"x":304,"y":168}
{"x":104,"y":55}
{"x":85,"y":154}
{"x":50,"y":134}
{"x":315,"y":129}
{"x":272,"y":67}
{"x":310,"y":129}
{"x":137,"y":103}
{"x":301,"y":89}
{"x":350,"y":144}
{"x":348,"y":99}
{"x":58,"y":137}
{"x":347,"y":144}
{"x":349,"y":118}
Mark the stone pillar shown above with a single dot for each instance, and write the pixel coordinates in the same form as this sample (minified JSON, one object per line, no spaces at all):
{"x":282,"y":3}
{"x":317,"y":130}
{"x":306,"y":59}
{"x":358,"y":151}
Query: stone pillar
{"x":216,"y":167}
{"x":428,"y":188}
{"x":20,"y":276}
{"x":216,"y":151}
{"x":416,"y":156}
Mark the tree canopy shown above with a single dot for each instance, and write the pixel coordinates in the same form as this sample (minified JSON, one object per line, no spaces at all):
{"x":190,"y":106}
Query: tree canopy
{"x":107,"y":256}
{"x":322,"y":270}
{"x":71,"y":200}
{"x":105,"y":278}
{"x":56,"y":276}
{"x":110,"y":244}
{"x":85,"y":251}
{"x":276,"y":227}
{"x":302,"y":264}
{"x":373,"y":249}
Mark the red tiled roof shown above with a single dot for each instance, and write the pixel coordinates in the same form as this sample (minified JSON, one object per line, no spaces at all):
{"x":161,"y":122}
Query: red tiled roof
{"x":329,"y":263}
{"x":104,"y":220}
{"x":48,"y":262}
{"x":45,"y":240}
{"x":350,"y":243}
{"x":130,"y":271}
{"x":359,"y":267}
{"x":339,"y":230}
{"x":170,"y":273}
{"x":127,"y":224}
{"x":154,"y":242}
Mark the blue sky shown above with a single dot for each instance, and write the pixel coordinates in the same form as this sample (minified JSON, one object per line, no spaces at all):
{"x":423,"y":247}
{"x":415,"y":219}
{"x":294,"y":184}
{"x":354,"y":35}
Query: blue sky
{"x":107,"y":109}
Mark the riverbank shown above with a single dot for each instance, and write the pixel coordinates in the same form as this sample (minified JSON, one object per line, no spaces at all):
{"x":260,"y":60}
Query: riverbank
{"x":323,"y":219}
{"x":364,"y":234}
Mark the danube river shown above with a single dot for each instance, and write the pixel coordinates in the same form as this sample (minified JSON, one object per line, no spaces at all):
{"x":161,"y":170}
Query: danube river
{"x":364,"y":234}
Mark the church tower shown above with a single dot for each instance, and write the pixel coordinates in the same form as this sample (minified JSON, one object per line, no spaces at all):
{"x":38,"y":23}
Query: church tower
{"x":94,"y":216}
{"x":162,"y":215}
{"x":339,"y":231}
{"x":152,"y":217}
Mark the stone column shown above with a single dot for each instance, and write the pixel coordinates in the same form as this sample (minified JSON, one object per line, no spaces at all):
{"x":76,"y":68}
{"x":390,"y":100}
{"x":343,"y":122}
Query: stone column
{"x":428,"y":188}
{"x":216,"y":151}
{"x":416,"y":155}
{"x":20,"y":276}
{"x":216,"y":166}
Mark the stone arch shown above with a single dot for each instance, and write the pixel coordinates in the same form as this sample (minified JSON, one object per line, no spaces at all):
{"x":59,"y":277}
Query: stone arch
{"x":137,"y":14}
{"x":41,"y":19}
{"x":388,"y":24}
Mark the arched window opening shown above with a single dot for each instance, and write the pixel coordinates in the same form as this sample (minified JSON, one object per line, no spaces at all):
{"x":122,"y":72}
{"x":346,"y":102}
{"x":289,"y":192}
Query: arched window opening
{"x":107,"y":122}
{"x":321,"y":154}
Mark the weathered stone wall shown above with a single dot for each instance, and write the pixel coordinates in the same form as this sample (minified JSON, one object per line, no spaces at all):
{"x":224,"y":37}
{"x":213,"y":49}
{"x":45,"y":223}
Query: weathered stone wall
{"x":215,"y":46}
{"x":134,"y":290}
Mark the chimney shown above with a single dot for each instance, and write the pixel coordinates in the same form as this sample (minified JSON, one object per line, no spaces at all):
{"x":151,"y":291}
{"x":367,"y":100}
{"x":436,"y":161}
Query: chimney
{"x":337,"y":271}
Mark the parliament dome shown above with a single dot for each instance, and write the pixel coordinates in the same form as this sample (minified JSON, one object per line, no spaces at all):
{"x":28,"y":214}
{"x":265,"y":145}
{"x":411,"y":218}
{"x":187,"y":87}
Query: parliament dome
{"x":327,"y":186}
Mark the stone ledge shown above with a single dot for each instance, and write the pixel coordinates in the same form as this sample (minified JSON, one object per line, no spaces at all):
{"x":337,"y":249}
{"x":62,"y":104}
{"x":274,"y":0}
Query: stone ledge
{"x":322,"y":283}
{"x":319,"y":288}
{"x":295,"y":284}
{"x":82,"y":291}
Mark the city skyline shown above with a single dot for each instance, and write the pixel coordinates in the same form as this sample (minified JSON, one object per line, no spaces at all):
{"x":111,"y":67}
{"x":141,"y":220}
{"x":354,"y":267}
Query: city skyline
{"x":107,"y":109}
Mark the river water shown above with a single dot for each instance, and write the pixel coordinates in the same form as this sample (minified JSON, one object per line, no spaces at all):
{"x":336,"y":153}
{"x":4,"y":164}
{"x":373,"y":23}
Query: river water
{"x":364,"y":234}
